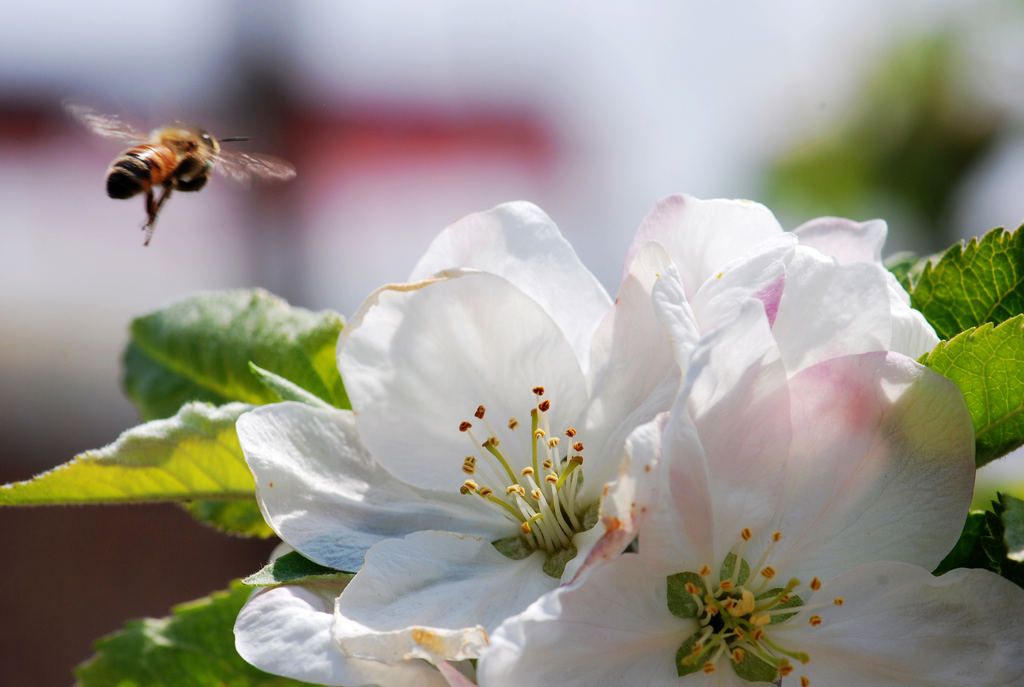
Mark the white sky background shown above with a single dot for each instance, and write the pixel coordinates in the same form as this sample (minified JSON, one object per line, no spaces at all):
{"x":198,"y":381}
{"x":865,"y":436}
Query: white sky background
{"x":644,"y":98}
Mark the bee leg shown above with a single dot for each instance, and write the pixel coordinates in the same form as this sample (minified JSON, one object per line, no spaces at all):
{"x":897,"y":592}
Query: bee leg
{"x":152,"y":208}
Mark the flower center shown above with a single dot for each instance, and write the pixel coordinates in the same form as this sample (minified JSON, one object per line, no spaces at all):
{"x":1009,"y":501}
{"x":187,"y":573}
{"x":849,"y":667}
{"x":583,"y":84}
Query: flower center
{"x":539,"y":492}
{"x":736,"y":613}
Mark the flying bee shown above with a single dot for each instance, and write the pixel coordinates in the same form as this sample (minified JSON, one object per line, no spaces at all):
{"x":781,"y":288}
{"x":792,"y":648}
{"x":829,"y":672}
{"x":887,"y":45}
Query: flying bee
{"x":174,"y":158}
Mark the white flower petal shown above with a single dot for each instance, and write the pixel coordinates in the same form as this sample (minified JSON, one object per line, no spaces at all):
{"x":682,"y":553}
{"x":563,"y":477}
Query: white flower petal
{"x":900,"y":626}
{"x":845,"y":240}
{"x":432,"y":585}
{"x":519,"y":242}
{"x":626,"y":500}
{"x":287,"y":631}
{"x":911,"y":334}
{"x":633,"y":372}
{"x":612,"y":628}
{"x":828,"y":310}
{"x":702,"y":236}
{"x":418,"y":359}
{"x":881,"y":467}
{"x":326,"y":496}
{"x":676,"y":315}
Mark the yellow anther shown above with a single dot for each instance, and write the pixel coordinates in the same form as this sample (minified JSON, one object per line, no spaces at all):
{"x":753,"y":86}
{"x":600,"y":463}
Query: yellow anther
{"x":552,"y":442}
{"x":513,"y":423}
{"x":708,"y":667}
{"x":691,"y":588}
{"x":536,"y":495}
{"x":746,"y":534}
{"x":570,"y":432}
{"x":815,"y":620}
{"x":578,"y":446}
{"x":525,"y":527}
{"x":776,"y":536}
{"x":785,"y":669}
{"x":804,"y":681}
{"x":815,"y":584}
{"x":544,"y":406}
{"x":725,"y":585}
{"x":538,"y":390}
{"x":553,"y":479}
{"x":486,"y":491}
{"x":464,"y":426}
{"x":539,"y":434}
{"x":526,"y":471}
{"x":479,"y":414}
{"x":767,"y":572}
{"x":469,"y":465}
{"x":704,"y":570}
{"x":737,"y":655}
{"x":839,"y":601}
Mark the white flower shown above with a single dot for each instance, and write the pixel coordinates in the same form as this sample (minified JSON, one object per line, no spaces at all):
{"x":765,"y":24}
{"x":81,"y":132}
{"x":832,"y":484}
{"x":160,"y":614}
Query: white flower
{"x":823,"y":286}
{"x":491,"y":401}
{"x":791,"y":541}
{"x":500,"y":321}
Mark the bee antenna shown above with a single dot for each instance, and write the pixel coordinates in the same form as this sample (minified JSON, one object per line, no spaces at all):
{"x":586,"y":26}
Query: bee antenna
{"x":232,"y":139}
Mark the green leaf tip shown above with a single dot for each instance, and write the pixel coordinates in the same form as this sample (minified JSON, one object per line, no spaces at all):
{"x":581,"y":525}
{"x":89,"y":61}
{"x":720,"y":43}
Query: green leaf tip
{"x":973,"y":283}
{"x":987,"y":363}
{"x":294,"y":568}
{"x":201,"y":348}
{"x":193,"y":455}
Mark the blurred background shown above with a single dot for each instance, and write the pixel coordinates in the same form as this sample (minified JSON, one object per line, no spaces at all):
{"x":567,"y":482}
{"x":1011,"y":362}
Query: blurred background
{"x":401,"y":117}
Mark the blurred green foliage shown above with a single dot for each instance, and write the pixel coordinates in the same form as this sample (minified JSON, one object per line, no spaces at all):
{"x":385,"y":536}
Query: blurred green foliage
{"x":908,"y":141}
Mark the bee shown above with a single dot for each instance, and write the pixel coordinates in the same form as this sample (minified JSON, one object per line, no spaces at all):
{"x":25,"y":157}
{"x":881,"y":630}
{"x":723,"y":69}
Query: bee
{"x":172,"y":158}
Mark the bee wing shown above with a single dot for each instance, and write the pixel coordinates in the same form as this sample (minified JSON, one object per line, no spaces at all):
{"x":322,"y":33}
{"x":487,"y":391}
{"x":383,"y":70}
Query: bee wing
{"x":244,"y":167}
{"x":108,"y":126}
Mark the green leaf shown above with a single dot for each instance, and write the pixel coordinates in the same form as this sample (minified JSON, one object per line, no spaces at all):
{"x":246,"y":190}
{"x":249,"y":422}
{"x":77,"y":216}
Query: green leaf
{"x":680,"y":601}
{"x":194,"y":646}
{"x":1012,"y":516}
{"x":234,"y":517}
{"x":193,"y":455}
{"x":991,"y":540}
{"x":987,"y":364}
{"x":284,"y":389}
{"x":728,"y":567}
{"x":200,"y":348}
{"x":973,"y":284}
{"x":293,"y":568}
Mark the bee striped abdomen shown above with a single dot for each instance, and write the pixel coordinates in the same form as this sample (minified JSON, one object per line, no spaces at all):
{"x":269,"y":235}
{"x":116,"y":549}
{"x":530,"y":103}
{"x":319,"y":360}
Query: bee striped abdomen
{"x":139,"y":169}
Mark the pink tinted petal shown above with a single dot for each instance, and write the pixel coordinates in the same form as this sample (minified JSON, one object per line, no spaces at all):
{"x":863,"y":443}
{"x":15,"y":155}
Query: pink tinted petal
{"x":760,"y":274}
{"x":418,"y":360}
{"x":287,"y":631}
{"x":845,"y":240}
{"x":612,"y":628}
{"x":725,"y":446}
{"x":882,"y":466}
{"x":702,"y":236}
{"x":633,"y":373}
{"x":900,"y":626}
{"x":519,"y":242}
{"x":829,"y":310}
{"x":326,"y":496}
{"x":431,"y":582}
{"x":739,"y":403}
